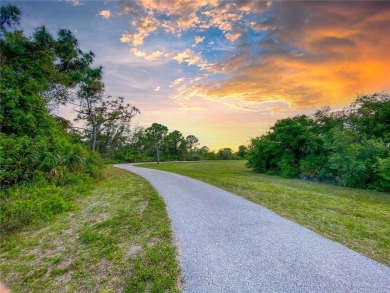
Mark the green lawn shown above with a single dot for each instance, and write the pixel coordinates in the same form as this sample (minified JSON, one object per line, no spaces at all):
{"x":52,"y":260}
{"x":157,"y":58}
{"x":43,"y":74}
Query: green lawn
{"x":117,"y":240}
{"x":358,"y":218}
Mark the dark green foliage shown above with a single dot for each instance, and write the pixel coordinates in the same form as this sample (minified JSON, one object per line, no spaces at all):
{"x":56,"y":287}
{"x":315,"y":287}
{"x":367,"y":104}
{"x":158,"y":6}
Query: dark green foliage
{"x":225,"y":154}
{"x":156,"y":143}
{"x":9,"y":16}
{"x":287,"y":165}
{"x":31,"y":203}
{"x":39,"y":154}
{"x":349,"y":147}
{"x":242,"y":151}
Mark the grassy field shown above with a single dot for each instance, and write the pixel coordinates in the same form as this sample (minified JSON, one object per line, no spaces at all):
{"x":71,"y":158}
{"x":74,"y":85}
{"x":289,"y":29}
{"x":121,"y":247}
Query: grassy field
{"x":117,"y":240}
{"x":360,"y":219}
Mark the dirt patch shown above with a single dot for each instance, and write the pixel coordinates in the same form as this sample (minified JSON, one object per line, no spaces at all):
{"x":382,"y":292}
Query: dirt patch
{"x":133,"y":251}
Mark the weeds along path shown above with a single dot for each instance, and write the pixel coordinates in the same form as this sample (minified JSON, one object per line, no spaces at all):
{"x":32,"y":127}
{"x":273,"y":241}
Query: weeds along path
{"x":229,"y":244}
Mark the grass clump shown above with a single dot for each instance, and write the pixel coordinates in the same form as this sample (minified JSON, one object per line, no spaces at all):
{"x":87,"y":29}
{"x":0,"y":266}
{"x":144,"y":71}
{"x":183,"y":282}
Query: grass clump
{"x":356,"y":218}
{"x":37,"y":202}
{"x":118,"y":239}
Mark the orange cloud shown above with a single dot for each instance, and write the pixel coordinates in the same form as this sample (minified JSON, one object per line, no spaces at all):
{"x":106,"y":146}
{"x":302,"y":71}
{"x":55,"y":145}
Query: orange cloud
{"x":313,"y":54}
{"x":177,"y":82}
{"x":105,"y":14}
{"x":191,"y":58}
{"x":199,"y":39}
{"x":183,"y":15}
{"x":145,"y":26}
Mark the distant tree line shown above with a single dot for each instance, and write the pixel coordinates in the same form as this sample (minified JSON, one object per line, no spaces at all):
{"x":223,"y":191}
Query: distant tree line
{"x":157,"y":143}
{"x":348,"y":147}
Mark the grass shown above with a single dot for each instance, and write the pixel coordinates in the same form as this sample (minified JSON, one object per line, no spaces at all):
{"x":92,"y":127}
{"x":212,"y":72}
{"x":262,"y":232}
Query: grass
{"x":117,"y":240}
{"x":359,"y":219}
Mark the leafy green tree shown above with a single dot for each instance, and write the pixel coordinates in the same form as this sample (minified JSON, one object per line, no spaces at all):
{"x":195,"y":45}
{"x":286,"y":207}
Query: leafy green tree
{"x":370,"y":115}
{"x":353,"y":160}
{"x":173,"y":141}
{"x":192,"y":142}
{"x":326,"y":120}
{"x":382,"y":175}
{"x":204,"y":150}
{"x":154,"y":137}
{"x":242,"y":151}
{"x":225,"y":154}
{"x":32,"y":141}
{"x":348,"y":147}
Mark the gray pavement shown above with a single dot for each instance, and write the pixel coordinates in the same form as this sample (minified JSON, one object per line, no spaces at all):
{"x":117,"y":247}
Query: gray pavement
{"x":228,"y":244}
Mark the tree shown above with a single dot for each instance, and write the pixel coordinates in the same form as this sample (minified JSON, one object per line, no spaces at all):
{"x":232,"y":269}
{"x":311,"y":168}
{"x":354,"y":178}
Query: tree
{"x":348,"y":147}
{"x":370,"y":115}
{"x":154,"y":136}
{"x":33,"y":142}
{"x":204,"y":150}
{"x":173,"y":141}
{"x":99,"y":109}
{"x":192,"y":142}
{"x":242,"y":151}
{"x":225,"y":154}
{"x":9,"y":16}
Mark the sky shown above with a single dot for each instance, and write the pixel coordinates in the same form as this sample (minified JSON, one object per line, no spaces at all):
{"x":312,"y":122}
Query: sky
{"x":226,"y":71}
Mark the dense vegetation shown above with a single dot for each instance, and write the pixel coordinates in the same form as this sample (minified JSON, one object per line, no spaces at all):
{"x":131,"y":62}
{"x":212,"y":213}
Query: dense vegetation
{"x":116,"y":235}
{"x":348,"y":147}
{"x":156,"y":143}
{"x":43,"y":162}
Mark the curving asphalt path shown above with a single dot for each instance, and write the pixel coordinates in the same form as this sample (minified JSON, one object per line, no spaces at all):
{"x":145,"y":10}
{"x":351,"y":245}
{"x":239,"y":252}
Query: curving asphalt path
{"x":229,"y":244}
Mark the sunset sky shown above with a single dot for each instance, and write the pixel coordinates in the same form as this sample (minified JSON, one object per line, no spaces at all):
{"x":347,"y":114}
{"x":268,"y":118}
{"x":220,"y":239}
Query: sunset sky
{"x":225,"y":71}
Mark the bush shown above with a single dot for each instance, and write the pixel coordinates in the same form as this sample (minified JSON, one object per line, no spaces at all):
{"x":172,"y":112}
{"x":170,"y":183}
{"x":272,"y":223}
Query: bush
{"x":349,"y":147}
{"x":288,"y":168}
{"x":39,"y":201}
{"x":311,"y":165}
{"x":382,"y":172}
{"x":21,"y":206}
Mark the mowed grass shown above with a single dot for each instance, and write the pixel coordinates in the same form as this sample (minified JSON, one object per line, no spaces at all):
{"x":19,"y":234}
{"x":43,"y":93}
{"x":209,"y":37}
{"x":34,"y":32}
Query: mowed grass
{"x":118,"y":240}
{"x":359,"y":219}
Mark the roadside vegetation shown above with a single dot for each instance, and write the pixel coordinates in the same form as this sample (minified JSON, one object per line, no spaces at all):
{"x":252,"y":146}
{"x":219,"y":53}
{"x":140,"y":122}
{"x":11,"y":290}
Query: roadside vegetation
{"x":117,"y":239}
{"x":348,"y":147}
{"x":67,"y":223}
{"x":356,"y":218}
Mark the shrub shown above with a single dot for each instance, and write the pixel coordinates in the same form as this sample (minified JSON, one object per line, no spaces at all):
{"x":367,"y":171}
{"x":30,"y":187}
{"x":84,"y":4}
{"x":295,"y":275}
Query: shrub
{"x":311,"y":165}
{"x":21,"y":206}
{"x":288,"y":168}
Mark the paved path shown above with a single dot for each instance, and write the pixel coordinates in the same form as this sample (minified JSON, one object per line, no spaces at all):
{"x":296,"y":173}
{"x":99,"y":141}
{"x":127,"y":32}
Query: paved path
{"x":229,"y":244}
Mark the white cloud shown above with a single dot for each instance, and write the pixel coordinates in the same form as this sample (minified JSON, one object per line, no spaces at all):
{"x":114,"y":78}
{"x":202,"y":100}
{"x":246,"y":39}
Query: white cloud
{"x":157,"y":89}
{"x":177,"y":82}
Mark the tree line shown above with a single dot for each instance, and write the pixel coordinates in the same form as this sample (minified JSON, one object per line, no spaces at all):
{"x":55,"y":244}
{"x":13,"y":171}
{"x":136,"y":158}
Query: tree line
{"x":157,"y":143}
{"x":349,"y":147}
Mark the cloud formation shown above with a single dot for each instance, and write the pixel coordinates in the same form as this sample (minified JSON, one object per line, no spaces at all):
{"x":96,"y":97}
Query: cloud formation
{"x":302,"y":54}
{"x":199,"y":39}
{"x":105,"y":14}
